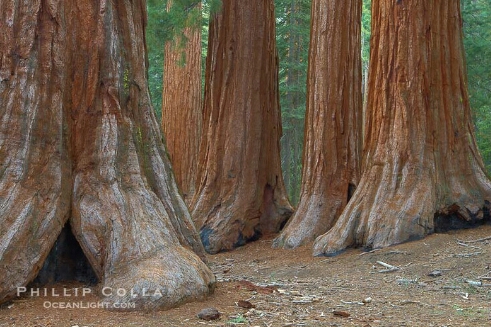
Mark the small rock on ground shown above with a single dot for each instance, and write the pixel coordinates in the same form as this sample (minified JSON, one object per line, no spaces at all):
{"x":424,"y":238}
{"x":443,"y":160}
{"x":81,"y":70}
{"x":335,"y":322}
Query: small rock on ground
{"x":209,"y":314}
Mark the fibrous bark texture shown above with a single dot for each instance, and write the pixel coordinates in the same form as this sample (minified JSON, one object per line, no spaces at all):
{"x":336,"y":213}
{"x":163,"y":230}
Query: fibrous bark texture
{"x":35,"y":169}
{"x":332,"y":149}
{"x":422,"y":168}
{"x":182,"y":107}
{"x":79,"y":142}
{"x":241,"y":193}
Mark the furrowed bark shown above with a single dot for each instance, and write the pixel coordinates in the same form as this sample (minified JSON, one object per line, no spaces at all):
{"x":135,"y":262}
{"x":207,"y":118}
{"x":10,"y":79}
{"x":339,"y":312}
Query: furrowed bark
{"x":182,"y":107}
{"x":240,"y":192}
{"x":125,"y":208}
{"x":422,"y":168}
{"x":35,"y":170}
{"x":331,"y":159}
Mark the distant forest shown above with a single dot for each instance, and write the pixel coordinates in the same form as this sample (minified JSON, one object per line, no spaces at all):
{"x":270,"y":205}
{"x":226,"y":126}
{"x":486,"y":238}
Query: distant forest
{"x":292,"y":37}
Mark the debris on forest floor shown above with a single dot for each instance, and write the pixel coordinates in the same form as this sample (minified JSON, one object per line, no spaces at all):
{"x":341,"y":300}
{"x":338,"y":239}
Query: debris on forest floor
{"x":390,"y":268}
{"x":477,"y":250}
{"x":476,"y":241}
{"x":259,"y":286}
{"x":341,"y":313}
{"x":245,"y":304}
{"x":209,"y":314}
{"x":435,"y":273}
{"x":406,"y":281}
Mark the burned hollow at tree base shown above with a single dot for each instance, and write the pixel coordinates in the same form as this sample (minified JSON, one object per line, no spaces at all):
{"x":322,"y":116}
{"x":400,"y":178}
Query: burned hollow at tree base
{"x":421,"y":159}
{"x":80,"y":146}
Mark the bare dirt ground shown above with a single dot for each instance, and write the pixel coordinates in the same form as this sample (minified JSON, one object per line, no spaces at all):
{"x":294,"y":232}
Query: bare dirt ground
{"x":292,"y":288}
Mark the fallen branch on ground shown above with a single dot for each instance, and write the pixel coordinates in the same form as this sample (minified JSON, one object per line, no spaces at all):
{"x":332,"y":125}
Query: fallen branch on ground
{"x":406,"y":281}
{"x":466,"y":255}
{"x":470,"y":246}
{"x":368,"y":252}
{"x":352,"y":302}
{"x":486,"y":276}
{"x":476,"y":241}
{"x":390,"y":268}
{"x":476,"y":283}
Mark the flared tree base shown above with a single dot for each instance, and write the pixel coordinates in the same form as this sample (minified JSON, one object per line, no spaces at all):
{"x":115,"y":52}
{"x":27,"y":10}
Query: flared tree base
{"x":314,"y":217}
{"x":385,"y":212}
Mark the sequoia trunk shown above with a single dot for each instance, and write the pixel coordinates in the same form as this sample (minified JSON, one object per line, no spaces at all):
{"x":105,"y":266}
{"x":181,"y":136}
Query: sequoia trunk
{"x":35,"y":167}
{"x":333,"y":121}
{"x":241,"y":193}
{"x":422,"y":168}
{"x":181,"y":107}
{"x":79,"y":142}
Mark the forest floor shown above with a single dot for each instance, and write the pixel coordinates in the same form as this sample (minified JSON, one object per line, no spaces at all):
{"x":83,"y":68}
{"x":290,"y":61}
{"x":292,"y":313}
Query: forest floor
{"x":292,"y":288}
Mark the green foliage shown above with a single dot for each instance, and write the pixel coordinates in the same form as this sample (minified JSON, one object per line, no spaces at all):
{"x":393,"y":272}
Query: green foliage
{"x":238,"y":320}
{"x":366,"y":21}
{"x":477,"y":43}
{"x":292,"y":37}
{"x":157,"y":27}
{"x":182,"y":13}
{"x":209,"y":9}
{"x":212,"y":6}
{"x":164,"y":25}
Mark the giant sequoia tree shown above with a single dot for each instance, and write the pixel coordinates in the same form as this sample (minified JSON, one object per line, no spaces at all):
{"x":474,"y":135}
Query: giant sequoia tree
{"x":181,"y":105}
{"x":477,"y":43}
{"x":422,"y":169}
{"x":79,"y":143}
{"x":240,"y":191}
{"x":333,"y":121}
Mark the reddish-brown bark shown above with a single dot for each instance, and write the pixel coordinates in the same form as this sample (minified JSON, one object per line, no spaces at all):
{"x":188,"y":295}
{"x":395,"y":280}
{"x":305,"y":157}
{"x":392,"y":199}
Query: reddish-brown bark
{"x":35,"y":172}
{"x":331,"y":159}
{"x":422,"y":169}
{"x":241,"y":193}
{"x":79,"y":142}
{"x":181,"y":107}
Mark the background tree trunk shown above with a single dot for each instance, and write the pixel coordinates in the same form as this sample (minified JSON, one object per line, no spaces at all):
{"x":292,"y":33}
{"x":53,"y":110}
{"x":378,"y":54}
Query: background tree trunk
{"x":181,"y":107}
{"x":293,"y":31}
{"x":77,"y":125}
{"x":423,"y":171}
{"x":241,"y":193}
{"x":331,"y":160}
